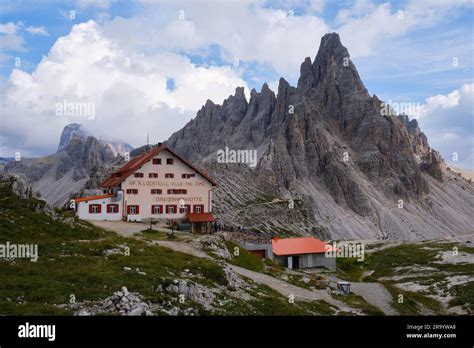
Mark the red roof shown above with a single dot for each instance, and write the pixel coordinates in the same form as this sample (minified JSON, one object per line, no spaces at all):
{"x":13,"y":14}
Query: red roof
{"x":200,"y":217}
{"x":296,"y":246}
{"x":93,"y":198}
{"x":135,"y":163}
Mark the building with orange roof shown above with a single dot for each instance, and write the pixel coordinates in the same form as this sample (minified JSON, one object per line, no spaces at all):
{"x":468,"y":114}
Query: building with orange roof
{"x":304,"y":252}
{"x":295,"y":253}
{"x":159,"y":184}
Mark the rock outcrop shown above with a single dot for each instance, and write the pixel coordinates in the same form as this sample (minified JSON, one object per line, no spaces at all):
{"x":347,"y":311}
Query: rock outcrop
{"x":19,"y":185}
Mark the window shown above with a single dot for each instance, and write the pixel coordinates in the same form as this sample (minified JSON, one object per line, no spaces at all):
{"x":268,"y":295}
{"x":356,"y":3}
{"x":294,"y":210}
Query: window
{"x":152,"y":175}
{"x":177,"y":191}
{"x":95,"y":209}
{"x":157,"y":209}
{"x":156,"y":191}
{"x":169,"y":176}
{"x":187,"y":176}
{"x":133,"y":209}
{"x":185,"y":209}
{"x":169,"y":161}
{"x":132,"y":191}
{"x":112,"y":208}
{"x":199,"y":208}
{"x":138,"y":175}
{"x":156,"y":161}
{"x":171,"y":209}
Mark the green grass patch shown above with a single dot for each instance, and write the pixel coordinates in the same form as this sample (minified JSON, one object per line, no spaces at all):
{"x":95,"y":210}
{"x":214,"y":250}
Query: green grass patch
{"x":245,"y":259}
{"x":157,"y":235}
{"x":311,"y":282}
{"x":73,"y":260}
{"x":357,"y":301}
{"x":351,"y":269}
{"x":464,"y":296}
{"x":414,"y":303}
{"x":273,"y":303}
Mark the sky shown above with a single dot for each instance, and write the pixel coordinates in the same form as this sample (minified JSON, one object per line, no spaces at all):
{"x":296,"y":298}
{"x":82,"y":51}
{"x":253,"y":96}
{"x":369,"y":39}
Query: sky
{"x":128,"y":68}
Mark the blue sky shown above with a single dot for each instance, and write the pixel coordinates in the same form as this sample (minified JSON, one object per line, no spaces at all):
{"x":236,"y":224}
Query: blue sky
{"x":402,"y":56}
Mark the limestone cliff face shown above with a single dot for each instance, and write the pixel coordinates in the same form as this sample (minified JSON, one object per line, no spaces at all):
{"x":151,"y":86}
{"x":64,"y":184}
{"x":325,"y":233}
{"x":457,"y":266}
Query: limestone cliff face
{"x":325,"y":140}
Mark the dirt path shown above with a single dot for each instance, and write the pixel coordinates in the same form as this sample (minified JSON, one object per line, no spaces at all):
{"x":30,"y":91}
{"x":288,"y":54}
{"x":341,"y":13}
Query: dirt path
{"x":375,"y":294}
{"x":183,"y":247}
{"x":125,"y":229}
{"x":287,"y":289}
{"x":281,"y":286}
{"x":128,"y":229}
{"x":387,"y":245}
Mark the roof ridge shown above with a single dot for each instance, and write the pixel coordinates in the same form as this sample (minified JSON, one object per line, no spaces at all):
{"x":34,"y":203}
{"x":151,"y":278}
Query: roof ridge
{"x":131,"y":166}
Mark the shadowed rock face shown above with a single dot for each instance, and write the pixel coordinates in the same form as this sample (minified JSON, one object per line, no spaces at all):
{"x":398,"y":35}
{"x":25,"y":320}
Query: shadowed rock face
{"x":328,"y":134}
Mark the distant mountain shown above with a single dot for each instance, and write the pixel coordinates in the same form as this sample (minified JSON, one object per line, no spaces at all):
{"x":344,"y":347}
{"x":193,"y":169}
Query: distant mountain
{"x":81,"y":162}
{"x":70,"y":131}
{"x":5,"y":160}
{"x":353,"y":171}
{"x":118,"y":147}
{"x":78,"y":130}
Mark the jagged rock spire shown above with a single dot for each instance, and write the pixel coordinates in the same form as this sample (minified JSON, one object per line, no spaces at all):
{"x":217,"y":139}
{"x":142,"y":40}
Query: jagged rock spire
{"x":332,"y":66}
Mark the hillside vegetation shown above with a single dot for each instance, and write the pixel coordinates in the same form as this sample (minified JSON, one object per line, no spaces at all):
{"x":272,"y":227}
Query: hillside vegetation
{"x":80,"y":265}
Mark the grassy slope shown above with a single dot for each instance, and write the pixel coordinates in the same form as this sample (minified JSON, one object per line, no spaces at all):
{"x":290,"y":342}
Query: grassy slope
{"x":385,"y":263}
{"x":250,"y":261}
{"x":72,"y":262}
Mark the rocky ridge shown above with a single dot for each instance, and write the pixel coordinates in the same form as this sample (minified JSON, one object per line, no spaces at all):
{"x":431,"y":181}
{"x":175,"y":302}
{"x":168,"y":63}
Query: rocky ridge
{"x":82,"y":162}
{"x":327,"y":144}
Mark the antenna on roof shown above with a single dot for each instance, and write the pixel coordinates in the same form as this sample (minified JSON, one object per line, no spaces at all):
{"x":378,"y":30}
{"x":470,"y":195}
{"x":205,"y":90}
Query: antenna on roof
{"x":147,"y":141}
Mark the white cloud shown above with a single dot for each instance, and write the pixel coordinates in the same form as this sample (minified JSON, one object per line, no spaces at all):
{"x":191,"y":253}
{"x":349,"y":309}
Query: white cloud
{"x":128,"y":89}
{"x":316,"y":6}
{"x":100,"y":4}
{"x":9,"y":38}
{"x":88,"y":64}
{"x":242,"y":30}
{"x":8,"y":28}
{"x":365,"y":25}
{"x":37,"y":30}
{"x":362,"y":34}
{"x":442,"y":101}
{"x":448,"y":122}
{"x":252,"y":33}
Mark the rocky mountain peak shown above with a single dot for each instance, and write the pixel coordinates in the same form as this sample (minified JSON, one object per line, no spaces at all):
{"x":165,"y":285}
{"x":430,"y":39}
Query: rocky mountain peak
{"x":70,"y":131}
{"x":240,"y":93}
{"x":332,"y":42}
{"x":325,"y":143}
{"x":75,"y":133}
{"x":332,"y":69}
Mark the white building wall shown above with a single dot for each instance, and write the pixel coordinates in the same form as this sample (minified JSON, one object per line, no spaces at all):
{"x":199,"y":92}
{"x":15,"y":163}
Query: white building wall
{"x":83,"y":209}
{"x":198,"y":188}
{"x":307,"y":261}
